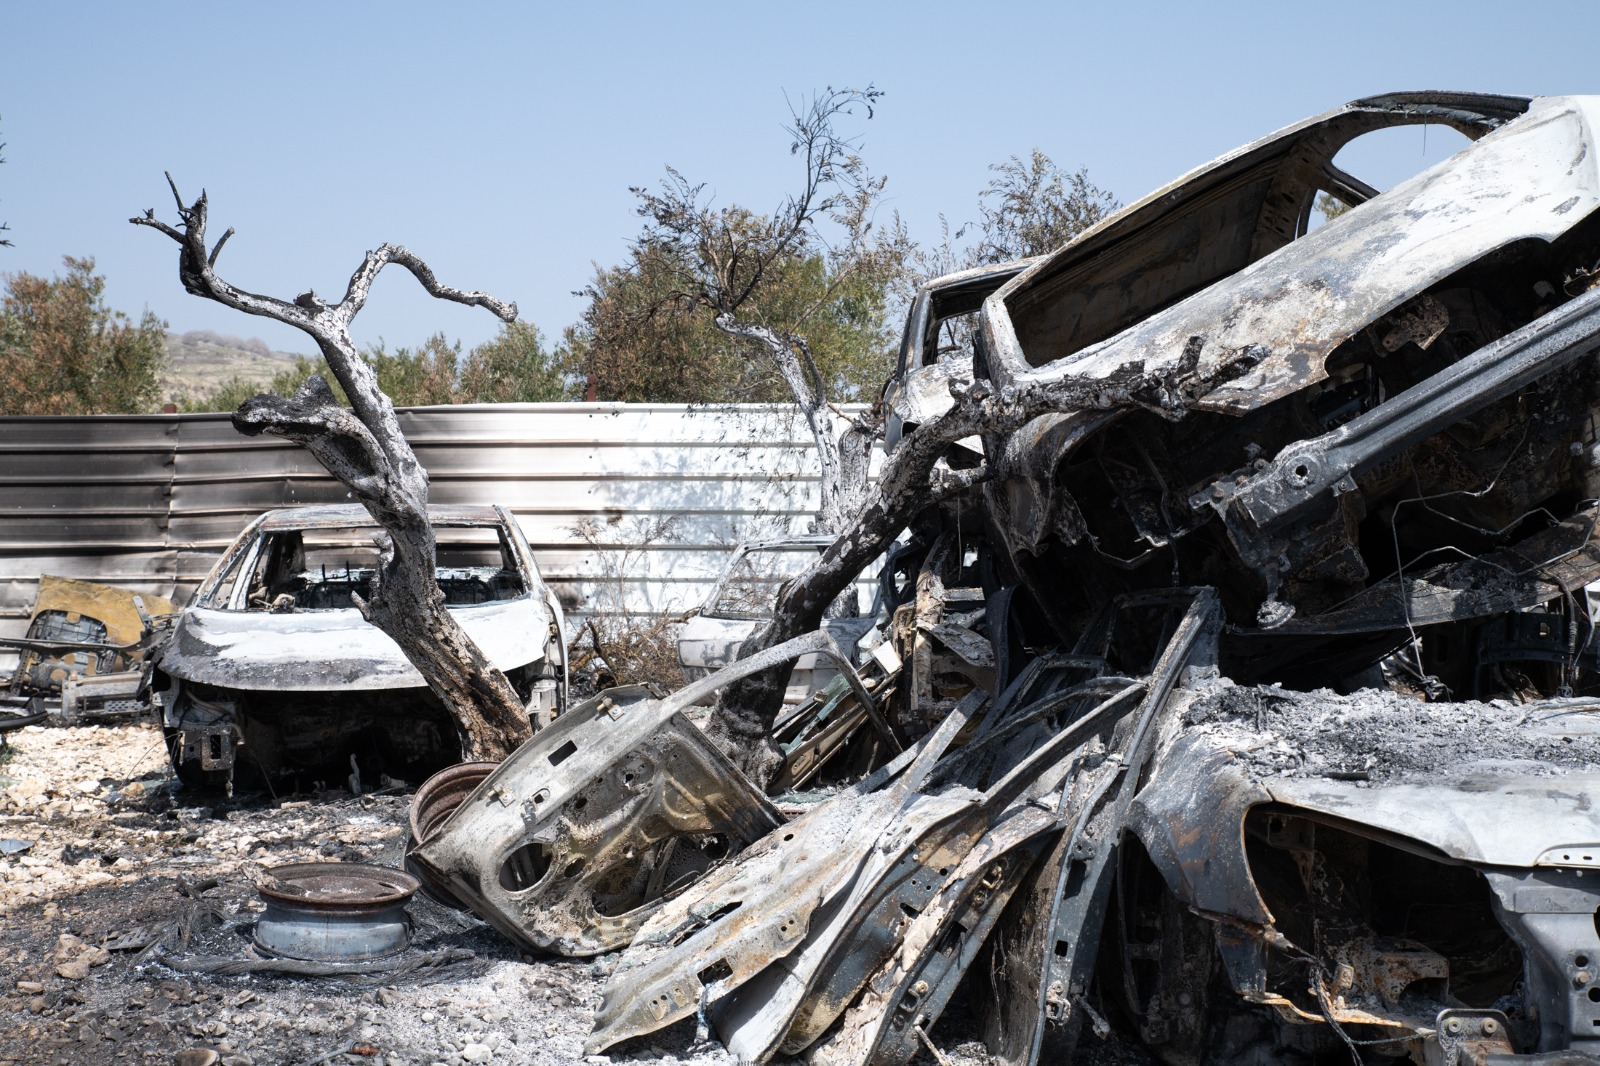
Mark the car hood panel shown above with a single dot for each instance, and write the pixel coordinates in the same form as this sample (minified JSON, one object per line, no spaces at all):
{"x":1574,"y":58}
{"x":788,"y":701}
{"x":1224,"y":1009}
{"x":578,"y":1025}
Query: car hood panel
{"x":316,"y":651}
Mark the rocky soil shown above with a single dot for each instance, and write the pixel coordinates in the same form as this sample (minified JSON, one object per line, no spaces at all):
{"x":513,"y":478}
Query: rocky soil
{"x":111,"y":880}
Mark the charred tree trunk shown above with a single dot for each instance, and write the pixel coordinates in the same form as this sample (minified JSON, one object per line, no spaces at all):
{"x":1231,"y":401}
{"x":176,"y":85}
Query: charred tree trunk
{"x":742,"y":721}
{"x":363,"y":447}
{"x":843,"y":459}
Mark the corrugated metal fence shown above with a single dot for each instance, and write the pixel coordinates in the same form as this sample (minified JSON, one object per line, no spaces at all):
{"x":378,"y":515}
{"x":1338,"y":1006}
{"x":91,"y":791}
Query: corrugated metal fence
{"x":148,"y":502}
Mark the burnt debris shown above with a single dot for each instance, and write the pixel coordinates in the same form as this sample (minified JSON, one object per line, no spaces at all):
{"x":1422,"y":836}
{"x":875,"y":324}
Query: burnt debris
{"x":1231,"y":690}
{"x":1238,"y":646}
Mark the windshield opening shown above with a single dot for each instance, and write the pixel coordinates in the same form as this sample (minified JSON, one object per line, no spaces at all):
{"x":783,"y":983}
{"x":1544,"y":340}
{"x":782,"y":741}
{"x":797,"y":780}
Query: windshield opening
{"x":1385,"y":157}
{"x":325,"y":569}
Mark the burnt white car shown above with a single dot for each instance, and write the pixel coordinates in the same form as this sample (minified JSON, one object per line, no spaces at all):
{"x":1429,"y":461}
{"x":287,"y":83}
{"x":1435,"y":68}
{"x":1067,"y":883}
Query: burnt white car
{"x":743,"y":597}
{"x":271,"y":669}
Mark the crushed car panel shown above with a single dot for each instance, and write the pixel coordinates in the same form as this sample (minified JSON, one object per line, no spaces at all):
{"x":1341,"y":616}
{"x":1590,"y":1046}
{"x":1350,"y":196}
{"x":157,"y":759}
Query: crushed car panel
{"x":615,"y":806}
{"x":727,"y":928}
{"x":585,"y":833}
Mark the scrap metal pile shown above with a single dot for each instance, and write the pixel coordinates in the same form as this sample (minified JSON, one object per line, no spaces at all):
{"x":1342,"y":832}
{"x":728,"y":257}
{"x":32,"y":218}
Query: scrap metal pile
{"x":1301,"y":505}
{"x":82,"y":656}
{"x":612,"y":823}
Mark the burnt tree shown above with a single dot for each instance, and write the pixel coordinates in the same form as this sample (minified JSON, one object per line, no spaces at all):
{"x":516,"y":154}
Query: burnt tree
{"x":363,"y":447}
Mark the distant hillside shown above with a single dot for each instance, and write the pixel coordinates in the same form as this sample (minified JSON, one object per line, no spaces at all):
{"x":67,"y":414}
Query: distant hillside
{"x":200,"y":362}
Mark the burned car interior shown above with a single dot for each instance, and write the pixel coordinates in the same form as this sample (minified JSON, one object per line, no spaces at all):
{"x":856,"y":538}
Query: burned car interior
{"x":291,"y":574}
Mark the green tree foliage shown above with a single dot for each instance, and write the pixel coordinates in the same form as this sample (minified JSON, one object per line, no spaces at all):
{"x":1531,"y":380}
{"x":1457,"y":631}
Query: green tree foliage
{"x":417,"y":377}
{"x":1034,"y":207}
{"x":636,"y":344}
{"x":515,"y":367}
{"x":800,"y":296}
{"x":644,"y":340}
{"x":1330,"y":206}
{"x":64,"y":352}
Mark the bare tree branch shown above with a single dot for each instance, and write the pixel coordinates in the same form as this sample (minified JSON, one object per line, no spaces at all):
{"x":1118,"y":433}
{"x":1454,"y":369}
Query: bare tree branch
{"x":3,"y":227}
{"x":355,"y":296}
{"x":363,"y":447}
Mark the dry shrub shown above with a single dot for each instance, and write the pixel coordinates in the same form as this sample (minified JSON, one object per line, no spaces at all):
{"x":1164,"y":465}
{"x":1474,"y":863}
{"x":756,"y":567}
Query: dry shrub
{"x":621,"y":644}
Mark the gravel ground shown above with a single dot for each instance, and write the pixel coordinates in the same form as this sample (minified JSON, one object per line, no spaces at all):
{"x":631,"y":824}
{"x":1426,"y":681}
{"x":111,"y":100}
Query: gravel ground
{"x":101,"y":856}
{"x":115,"y":856}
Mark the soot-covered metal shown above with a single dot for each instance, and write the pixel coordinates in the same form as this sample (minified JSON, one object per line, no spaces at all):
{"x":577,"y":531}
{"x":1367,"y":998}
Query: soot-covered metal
{"x":1252,"y":719}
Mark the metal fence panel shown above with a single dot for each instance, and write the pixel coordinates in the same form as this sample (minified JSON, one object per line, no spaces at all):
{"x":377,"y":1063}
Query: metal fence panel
{"x":658,"y":491}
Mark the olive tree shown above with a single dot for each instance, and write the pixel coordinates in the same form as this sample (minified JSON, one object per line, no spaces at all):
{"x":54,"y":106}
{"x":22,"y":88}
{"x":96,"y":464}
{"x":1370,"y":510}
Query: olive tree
{"x":774,"y":281}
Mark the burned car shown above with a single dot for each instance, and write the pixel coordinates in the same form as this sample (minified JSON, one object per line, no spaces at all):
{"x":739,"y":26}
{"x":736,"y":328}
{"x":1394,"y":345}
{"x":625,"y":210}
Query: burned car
{"x":741,"y":599}
{"x":271,"y":668}
{"x":84,"y":653}
{"x":1284,"y":745}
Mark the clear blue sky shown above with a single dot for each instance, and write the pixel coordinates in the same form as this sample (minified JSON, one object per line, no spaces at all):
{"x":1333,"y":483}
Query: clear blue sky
{"x":499,"y":140}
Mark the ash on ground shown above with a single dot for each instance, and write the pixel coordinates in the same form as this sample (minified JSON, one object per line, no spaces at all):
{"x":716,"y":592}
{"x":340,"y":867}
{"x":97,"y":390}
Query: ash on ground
{"x":102,"y":856}
{"x":1379,"y":735}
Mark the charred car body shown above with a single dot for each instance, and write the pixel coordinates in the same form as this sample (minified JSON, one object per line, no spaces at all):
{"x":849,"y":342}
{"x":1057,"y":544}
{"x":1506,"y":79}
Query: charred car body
{"x":1249,"y":694}
{"x":1376,"y":440}
{"x":271,"y":668}
{"x":84,"y":653}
